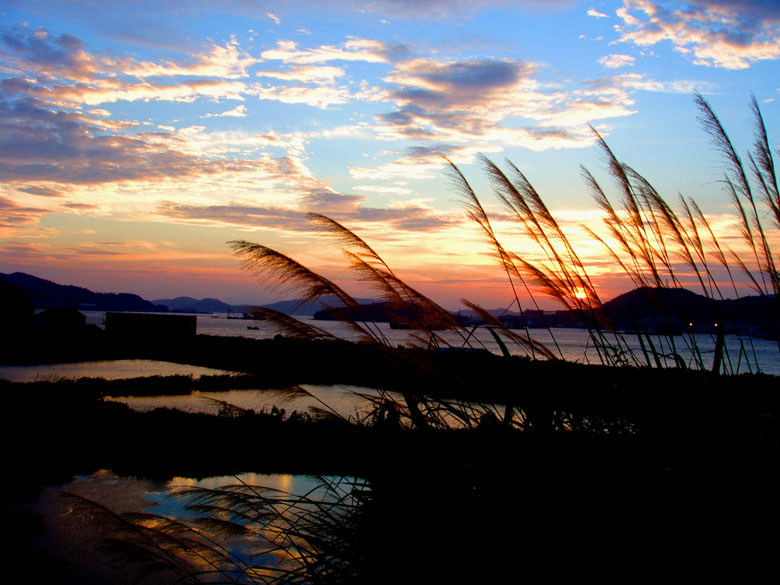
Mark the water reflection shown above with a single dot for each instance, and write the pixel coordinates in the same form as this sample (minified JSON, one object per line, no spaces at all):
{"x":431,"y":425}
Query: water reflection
{"x":163,"y":501}
{"x":575,"y":344}
{"x":129,"y":530}
{"x":343,"y":400}
{"x":108,"y":369}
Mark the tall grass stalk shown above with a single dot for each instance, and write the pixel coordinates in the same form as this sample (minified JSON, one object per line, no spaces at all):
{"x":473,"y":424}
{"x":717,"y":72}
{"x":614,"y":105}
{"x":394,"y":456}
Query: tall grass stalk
{"x":658,"y":249}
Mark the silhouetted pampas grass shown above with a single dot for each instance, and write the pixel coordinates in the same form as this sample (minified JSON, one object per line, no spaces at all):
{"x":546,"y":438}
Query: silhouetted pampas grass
{"x":252,"y":534}
{"x":657,"y":248}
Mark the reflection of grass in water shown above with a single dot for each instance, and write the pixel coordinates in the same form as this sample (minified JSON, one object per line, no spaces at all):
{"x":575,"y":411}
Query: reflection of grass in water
{"x":241,"y":534}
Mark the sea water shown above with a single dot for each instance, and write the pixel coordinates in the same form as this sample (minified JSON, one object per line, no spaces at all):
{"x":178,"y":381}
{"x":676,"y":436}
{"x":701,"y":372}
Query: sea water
{"x":577,"y":345}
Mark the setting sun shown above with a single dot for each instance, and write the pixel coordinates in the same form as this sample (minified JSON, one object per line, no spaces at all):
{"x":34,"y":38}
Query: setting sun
{"x":128,"y":161}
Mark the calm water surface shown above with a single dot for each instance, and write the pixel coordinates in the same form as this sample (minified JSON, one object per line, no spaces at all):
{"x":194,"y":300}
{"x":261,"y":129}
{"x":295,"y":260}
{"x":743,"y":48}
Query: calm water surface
{"x":129,"y":494}
{"x":108,"y":369}
{"x":75,"y":534}
{"x":349,"y":402}
{"x":573,"y":344}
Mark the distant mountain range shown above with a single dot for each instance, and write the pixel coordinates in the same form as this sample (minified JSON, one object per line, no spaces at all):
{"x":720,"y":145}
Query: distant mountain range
{"x":208,"y":305}
{"x":45,"y":293}
{"x":190,"y":305}
{"x":628,"y":310}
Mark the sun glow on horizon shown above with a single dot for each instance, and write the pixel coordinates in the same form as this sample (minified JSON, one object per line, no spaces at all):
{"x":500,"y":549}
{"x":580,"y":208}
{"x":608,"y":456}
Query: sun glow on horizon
{"x":127,"y":162}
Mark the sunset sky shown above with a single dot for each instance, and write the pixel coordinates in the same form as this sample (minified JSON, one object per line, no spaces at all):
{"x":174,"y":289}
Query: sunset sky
{"x":138,"y":138}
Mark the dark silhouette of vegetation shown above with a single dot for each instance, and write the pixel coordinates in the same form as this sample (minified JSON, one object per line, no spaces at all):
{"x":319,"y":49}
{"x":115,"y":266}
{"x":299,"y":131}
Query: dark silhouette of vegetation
{"x":470,"y":466}
{"x":650,"y":242}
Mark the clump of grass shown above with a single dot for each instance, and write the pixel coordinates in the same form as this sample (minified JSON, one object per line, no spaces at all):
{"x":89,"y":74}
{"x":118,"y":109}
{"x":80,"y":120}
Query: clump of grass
{"x":657,"y":248}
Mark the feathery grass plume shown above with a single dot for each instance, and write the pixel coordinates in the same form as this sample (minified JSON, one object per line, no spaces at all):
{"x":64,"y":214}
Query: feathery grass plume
{"x":292,"y":327}
{"x":564,"y":270}
{"x":265,"y":261}
{"x":763,"y":165}
{"x":652,"y":240}
{"x":348,"y":237}
{"x":684,"y":242}
{"x":505,"y":189}
{"x":652,"y":236}
{"x":767,"y":281}
{"x":412,"y":307}
{"x":739,"y":188}
{"x":324,"y":410}
{"x":634,"y":226}
{"x":409,"y":307}
{"x":493,"y":322}
{"x":509,"y":261}
{"x":717,"y":250}
{"x":564,"y":275}
{"x":662,"y":237}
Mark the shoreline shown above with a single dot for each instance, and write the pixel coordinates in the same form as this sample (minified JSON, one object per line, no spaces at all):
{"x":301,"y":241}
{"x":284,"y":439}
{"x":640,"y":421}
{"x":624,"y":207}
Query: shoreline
{"x":672,"y":456}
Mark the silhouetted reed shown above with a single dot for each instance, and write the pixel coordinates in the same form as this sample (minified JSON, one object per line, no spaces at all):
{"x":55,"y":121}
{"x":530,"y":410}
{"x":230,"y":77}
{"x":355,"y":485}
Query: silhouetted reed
{"x":626,"y":427}
{"x":657,"y":248}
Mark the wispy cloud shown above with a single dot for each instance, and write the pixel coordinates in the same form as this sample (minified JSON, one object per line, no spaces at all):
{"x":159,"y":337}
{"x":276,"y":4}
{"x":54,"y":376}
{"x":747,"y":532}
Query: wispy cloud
{"x":616,"y":61}
{"x":317,"y":97}
{"x":58,"y":69}
{"x":366,"y":50}
{"x":40,"y":191}
{"x":226,"y":61}
{"x":13,"y":215}
{"x":476,"y":100}
{"x":411,"y":217}
{"x":596,"y":14}
{"x":237,"y":112}
{"x":306,"y":74}
{"x":638,"y":81}
{"x":731,"y":34}
{"x":384,"y":189}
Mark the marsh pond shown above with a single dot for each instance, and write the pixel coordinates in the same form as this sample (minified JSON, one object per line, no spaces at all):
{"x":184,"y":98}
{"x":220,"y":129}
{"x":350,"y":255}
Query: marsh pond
{"x":244,"y":457}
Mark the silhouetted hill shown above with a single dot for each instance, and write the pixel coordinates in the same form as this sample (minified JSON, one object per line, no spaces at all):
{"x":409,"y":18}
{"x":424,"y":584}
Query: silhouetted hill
{"x":684,"y":306}
{"x":208,"y":305}
{"x":653,"y":307}
{"x":643,"y":303}
{"x":292,"y":307}
{"x":191,"y":305}
{"x":45,"y":293}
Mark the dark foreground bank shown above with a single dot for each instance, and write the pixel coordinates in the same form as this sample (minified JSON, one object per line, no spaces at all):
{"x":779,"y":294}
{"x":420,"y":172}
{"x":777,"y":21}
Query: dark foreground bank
{"x":602,"y":470}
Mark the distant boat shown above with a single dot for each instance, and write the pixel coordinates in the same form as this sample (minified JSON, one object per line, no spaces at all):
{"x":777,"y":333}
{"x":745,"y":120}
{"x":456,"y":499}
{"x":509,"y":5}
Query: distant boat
{"x":253,"y":327}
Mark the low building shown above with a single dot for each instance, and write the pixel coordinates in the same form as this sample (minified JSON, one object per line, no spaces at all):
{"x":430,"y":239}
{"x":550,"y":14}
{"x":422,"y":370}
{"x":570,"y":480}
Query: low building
{"x":151,"y":326}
